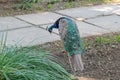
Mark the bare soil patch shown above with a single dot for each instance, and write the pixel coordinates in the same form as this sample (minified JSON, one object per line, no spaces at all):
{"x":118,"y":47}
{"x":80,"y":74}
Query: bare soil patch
{"x":101,"y":61}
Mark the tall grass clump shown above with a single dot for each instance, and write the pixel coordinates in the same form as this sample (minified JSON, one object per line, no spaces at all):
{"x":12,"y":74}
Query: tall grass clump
{"x":29,"y":64}
{"x":26,"y":4}
{"x":22,"y":65}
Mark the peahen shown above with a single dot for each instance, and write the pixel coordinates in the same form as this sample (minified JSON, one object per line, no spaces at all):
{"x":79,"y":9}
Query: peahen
{"x":69,"y":34}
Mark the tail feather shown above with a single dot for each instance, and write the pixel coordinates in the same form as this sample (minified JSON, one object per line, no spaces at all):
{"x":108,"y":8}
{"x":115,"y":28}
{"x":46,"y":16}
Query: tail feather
{"x":77,"y":62}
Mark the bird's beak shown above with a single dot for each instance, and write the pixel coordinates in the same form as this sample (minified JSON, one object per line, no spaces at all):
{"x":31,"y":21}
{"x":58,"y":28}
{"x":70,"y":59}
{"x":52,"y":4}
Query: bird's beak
{"x":49,"y":29}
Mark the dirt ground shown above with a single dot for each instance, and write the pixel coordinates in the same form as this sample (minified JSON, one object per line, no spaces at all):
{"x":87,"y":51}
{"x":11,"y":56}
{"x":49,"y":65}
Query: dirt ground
{"x":7,"y":9}
{"x":101,"y":61}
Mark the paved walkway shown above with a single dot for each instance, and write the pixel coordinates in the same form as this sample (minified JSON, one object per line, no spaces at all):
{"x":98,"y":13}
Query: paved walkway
{"x":27,"y":30}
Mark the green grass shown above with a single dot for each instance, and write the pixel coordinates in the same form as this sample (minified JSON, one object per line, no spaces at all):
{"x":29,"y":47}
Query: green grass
{"x":29,"y":64}
{"x":92,"y":2}
{"x":29,"y":4}
{"x":101,"y":41}
{"x":53,"y":1}
{"x":26,"y":4}
{"x":68,"y":5}
{"x":49,"y":6}
{"x":41,"y":8}
{"x":106,"y":40}
{"x":118,"y":38}
{"x":3,"y":41}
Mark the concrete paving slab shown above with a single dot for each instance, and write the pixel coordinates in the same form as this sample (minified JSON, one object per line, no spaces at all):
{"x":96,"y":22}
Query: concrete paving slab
{"x":29,"y":36}
{"x":40,"y":18}
{"x":89,"y":12}
{"x":11,"y":23}
{"x":112,"y":23}
{"x":80,"y":13}
{"x":87,"y":30}
{"x":117,"y":12}
{"x":107,"y":9}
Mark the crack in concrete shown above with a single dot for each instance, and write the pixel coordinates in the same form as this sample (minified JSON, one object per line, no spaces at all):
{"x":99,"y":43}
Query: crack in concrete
{"x":94,"y":25}
{"x":39,"y":26}
{"x":30,"y":22}
{"x":84,"y":20}
{"x":103,"y":15}
{"x":24,"y":21}
{"x":31,"y":25}
{"x":14,"y":29}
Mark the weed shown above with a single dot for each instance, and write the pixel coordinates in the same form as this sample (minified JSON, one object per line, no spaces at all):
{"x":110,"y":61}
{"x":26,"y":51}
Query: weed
{"x":50,"y":6}
{"x":74,"y":4}
{"x":100,"y":40}
{"x":108,"y":40}
{"x":3,"y":42}
{"x":53,"y":1}
{"x":107,"y":1}
{"x":41,"y":8}
{"x":118,"y":38}
{"x":26,"y":5}
{"x":29,"y":4}
{"x":68,"y":5}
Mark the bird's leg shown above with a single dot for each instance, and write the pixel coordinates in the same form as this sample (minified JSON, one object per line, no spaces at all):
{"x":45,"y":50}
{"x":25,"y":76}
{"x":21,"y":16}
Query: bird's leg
{"x":69,"y":58}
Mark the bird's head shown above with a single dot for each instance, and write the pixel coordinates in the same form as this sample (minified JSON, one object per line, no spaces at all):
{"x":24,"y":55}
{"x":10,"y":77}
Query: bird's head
{"x":55,"y":25}
{"x":51,"y":27}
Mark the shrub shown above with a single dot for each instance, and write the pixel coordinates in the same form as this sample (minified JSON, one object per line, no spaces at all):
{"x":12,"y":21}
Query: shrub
{"x":26,"y":4}
{"x":50,"y":6}
{"x":41,"y":8}
{"x":29,"y":65}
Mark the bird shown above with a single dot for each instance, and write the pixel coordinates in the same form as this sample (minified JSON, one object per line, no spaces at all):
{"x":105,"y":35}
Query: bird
{"x":69,"y":34}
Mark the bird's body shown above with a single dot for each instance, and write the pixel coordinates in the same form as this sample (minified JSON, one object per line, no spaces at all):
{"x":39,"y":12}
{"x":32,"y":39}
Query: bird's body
{"x":69,"y":34}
